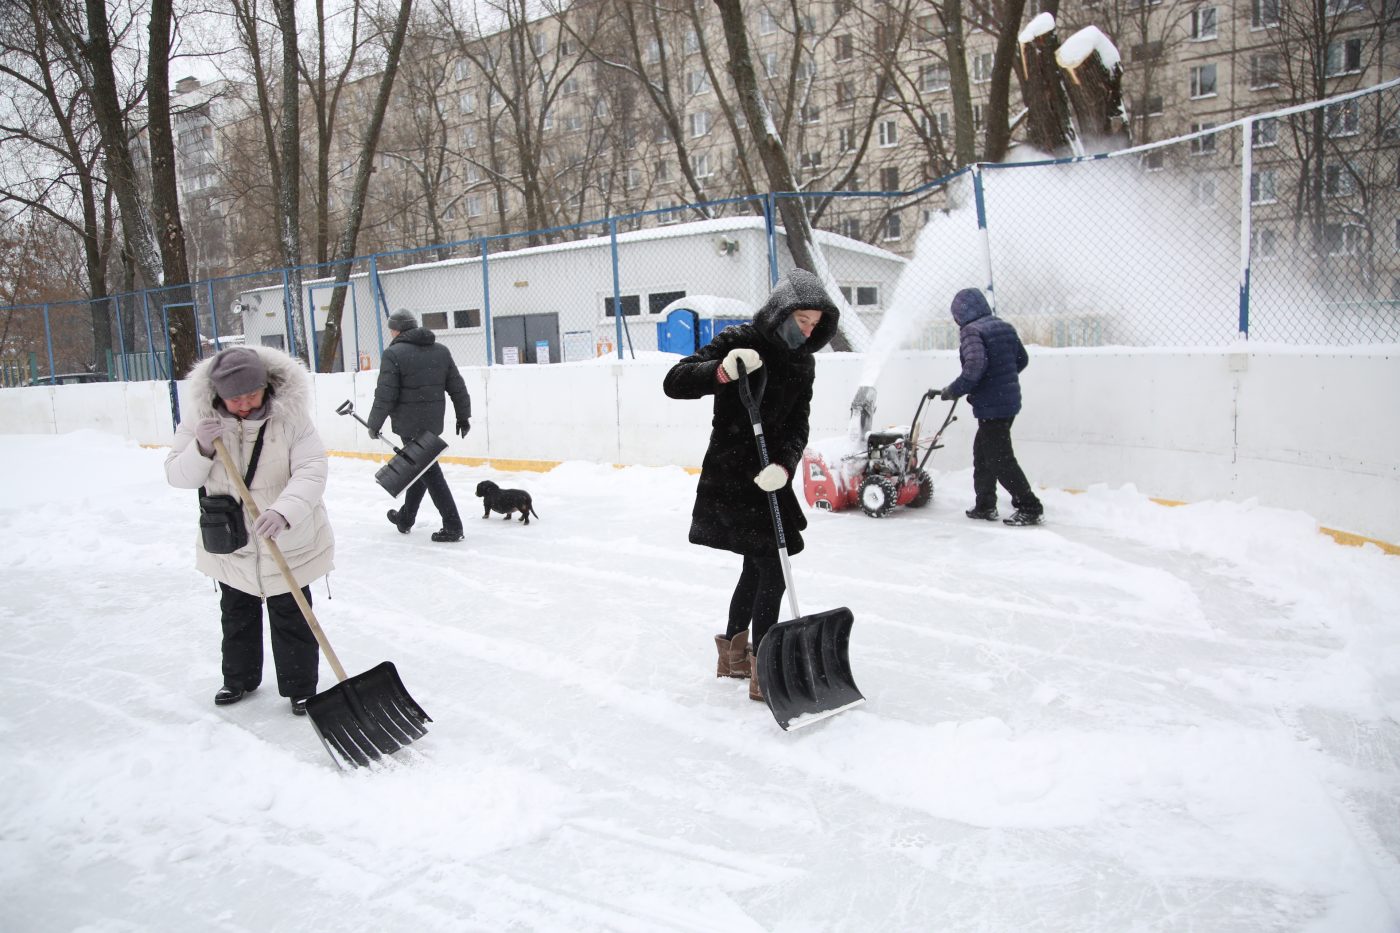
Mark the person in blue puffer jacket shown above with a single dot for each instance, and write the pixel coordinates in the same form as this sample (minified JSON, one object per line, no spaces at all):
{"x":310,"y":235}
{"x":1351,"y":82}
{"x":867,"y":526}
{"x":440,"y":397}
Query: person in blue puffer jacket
{"x":992,"y":359}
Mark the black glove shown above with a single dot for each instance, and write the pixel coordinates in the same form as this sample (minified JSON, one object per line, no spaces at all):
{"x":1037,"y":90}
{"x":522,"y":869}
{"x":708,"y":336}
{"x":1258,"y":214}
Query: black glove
{"x":373,"y":434}
{"x":463,"y":426}
{"x":946,"y":393}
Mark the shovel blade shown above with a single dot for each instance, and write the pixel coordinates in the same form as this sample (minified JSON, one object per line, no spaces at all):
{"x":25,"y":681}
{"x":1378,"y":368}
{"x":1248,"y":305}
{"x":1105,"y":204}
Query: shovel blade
{"x":410,"y":462}
{"x":367,"y":716}
{"x":804,"y":668}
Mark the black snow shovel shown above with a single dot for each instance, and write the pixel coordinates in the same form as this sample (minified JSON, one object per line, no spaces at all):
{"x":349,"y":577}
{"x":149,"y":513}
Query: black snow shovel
{"x":803,"y":665}
{"x":410,"y":462}
{"x":363,"y":717}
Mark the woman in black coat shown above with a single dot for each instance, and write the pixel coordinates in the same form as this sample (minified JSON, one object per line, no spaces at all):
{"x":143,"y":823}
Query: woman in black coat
{"x":731,"y":501}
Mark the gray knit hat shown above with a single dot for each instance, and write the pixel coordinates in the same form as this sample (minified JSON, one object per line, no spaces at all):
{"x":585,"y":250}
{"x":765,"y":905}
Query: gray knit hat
{"x":237,"y":371}
{"x":402,"y":320}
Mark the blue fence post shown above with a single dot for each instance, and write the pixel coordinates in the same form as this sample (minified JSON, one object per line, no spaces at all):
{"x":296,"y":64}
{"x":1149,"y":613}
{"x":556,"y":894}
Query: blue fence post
{"x":770,"y":206}
{"x":150,"y":338}
{"x":311,"y":312}
{"x":121,"y":341}
{"x":213,"y":320}
{"x":287,"y":312}
{"x":48,"y":339}
{"x":1246,"y":220}
{"x":486,"y":302}
{"x":980,"y":196}
{"x":617,"y":283}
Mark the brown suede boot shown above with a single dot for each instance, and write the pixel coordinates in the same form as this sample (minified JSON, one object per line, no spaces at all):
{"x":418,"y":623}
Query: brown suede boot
{"x":754,"y":692}
{"x":733,"y":655}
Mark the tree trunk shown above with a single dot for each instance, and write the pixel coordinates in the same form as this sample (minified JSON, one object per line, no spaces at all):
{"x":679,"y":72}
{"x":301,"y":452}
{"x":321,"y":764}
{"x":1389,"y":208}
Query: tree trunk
{"x":801,"y":242}
{"x":1048,"y":126}
{"x":997,"y":116}
{"x":964,"y":133}
{"x":346,"y":248}
{"x":1096,"y":95}
{"x":182,"y":321}
{"x":289,"y":186}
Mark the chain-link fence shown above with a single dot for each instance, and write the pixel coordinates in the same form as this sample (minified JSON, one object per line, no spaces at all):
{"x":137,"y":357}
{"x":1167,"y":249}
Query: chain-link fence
{"x":1282,"y":227}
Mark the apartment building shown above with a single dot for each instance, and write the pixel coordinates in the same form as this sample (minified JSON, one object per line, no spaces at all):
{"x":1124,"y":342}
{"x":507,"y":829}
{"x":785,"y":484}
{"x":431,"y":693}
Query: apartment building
{"x":553,"y":123}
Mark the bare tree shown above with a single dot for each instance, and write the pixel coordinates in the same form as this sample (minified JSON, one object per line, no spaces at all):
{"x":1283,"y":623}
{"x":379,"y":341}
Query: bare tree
{"x":345,"y":248}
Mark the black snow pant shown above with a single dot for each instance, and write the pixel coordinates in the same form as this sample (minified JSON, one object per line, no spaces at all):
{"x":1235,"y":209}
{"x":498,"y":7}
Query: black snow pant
{"x":435,"y":485}
{"x":757,"y":597}
{"x":993,"y":462}
{"x":294,"y":650}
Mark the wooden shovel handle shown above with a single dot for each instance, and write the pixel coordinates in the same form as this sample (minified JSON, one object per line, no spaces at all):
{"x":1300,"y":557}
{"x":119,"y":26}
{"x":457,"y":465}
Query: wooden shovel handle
{"x":231,"y":469}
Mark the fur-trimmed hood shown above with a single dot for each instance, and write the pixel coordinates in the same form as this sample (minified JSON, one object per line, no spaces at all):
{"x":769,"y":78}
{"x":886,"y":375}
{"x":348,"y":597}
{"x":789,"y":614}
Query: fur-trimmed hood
{"x":798,"y":289}
{"x":288,"y":383}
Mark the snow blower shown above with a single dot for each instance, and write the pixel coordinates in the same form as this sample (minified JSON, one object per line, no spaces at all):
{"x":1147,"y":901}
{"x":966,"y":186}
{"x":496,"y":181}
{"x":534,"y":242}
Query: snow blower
{"x":409,"y":463}
{"x":888,"y":470}
{"x":361,"y":718}
{"x":803,"y":665}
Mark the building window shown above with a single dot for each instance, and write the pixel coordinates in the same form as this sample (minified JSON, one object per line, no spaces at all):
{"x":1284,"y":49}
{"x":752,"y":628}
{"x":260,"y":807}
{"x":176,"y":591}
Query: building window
{"x":469,"y":137}
{"x":466,"y":102}
{"x":861,"y":296}
{"x":631,"y":178}
{"x":1343,"y":119}
{"x":845,"y":93}
{"x":1264,"y":133}
{"x":466,"y":318}
{"x":888,"y":133}
{"x":1343,"y":57}
{"x":1203,"y":81}
{"x":1342,"y":239}
{"x":661,"y":171}
{"x":698,"y":81}
{"x":977,"y":115}
{"x":1263,"y":243}
{"x":1338,"y":180}
{"x":846,"y":139}
{"x":927,"y":29}
{"x":631,"y":306}
{"x":540,"y":42}
{"x":812,"y":160}
{"x":1154,"y":107}
{"x":934,"y":77}
{"x":1263,"y":70}
{"x":982,"y":68}
{"x":1153,"y":161}
{"x":1203,"y":145}
{"x":473,"y":205}
{"x":1263,"y":13}
{"x":569,"y":87}
{"x":700,"y":123}
{"x":1203,"y":23}
{"x":462,"y":69}
{"x":850,"y":227}
{"x":844,"y":48}
{"x":889,"y":178}
{"x":767,"y":23}
{"x":811,"y":113}
{"x":893,"y":228}
{"x":1263,"y":187}
{"x":770,"y":64}
{"x":652,"y":55}
{"x":700,"y":165}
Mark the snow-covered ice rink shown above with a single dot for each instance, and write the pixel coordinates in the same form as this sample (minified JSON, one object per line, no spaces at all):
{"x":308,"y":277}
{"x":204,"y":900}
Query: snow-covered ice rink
{"x":1134,"y":718}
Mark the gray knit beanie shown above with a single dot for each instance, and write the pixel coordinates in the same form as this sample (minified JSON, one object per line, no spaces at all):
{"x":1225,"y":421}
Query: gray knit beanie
{"x":402,"y":320}
{"x":237,"y":371}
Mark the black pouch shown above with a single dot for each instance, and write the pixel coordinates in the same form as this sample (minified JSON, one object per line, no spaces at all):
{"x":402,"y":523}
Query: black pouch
{"x":221,"y":524}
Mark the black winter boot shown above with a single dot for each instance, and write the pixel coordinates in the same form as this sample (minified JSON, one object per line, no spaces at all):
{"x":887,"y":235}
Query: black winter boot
{"x":394,"y":517}
{"x":1022,"y":517}
{"x":227,"y":695}
{"x":986,"y":515}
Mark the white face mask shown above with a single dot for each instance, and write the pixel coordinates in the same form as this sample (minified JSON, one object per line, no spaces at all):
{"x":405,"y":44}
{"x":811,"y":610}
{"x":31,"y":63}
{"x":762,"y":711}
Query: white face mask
{"x":791,"y":333}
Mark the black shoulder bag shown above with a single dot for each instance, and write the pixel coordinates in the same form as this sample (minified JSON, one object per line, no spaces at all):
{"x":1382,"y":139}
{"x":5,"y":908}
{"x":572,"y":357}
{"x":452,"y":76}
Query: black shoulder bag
{"x":221,"y":525}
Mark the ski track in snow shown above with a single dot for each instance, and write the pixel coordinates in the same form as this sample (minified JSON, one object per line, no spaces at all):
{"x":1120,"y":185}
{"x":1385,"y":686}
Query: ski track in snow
{"x":1133,"y":718}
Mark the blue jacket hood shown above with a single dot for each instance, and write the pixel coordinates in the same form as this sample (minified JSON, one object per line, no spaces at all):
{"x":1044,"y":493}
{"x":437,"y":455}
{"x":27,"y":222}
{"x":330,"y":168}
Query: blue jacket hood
{"x":968,"y":305}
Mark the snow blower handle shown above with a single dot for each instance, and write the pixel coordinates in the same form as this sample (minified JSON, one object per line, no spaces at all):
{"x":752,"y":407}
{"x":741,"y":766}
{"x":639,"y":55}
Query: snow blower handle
{"x":751,"y":403}
{"x":347,"y":408}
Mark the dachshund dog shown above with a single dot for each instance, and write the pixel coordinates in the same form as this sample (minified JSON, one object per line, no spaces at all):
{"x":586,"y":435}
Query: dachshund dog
{"x":506,"y":501}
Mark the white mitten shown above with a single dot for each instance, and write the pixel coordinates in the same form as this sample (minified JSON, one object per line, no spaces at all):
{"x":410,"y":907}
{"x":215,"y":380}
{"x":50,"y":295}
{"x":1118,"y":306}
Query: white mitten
{"x":771,"y":478}
{"x":751,"y":360}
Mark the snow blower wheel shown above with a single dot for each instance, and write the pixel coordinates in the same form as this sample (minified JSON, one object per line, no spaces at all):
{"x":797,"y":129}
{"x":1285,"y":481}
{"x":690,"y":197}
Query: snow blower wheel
{"x":925,"y":493}
{"x":878,"y":496}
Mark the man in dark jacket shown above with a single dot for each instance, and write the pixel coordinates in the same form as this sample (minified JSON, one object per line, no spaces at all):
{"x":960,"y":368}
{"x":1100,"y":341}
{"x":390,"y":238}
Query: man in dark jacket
{"x":992,"y":358}
{"x":731,"y":500}
{"x":414,"y":374}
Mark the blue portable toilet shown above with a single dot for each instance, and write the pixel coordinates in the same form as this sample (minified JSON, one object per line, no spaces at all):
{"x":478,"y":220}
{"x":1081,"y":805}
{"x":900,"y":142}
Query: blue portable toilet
{"x":691,"y":322}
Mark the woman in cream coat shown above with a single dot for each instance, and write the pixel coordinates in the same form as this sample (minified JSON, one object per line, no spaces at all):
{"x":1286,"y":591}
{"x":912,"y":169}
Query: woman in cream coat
{"x":238,"y":394}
